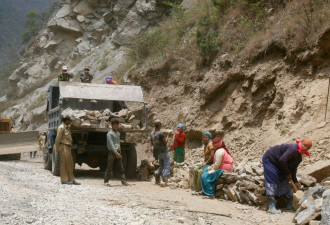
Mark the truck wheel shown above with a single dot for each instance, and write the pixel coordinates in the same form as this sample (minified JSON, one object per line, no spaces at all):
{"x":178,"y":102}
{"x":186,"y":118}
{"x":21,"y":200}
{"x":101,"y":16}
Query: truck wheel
{"x":47,"y":159}
{"x":56,"y":161}
{"x":131,"y":162}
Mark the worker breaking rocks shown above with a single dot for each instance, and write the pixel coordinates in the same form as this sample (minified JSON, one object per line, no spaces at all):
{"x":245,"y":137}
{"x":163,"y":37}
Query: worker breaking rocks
{"x":280,"y":168}
{"x":158,"y":142}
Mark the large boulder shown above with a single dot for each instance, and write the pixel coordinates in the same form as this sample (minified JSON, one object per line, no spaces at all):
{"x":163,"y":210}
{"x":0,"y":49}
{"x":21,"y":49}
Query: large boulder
{"x":141,"y":16}
{"x":122,"y":8}
{"x":326,"y":208}
{"x":312,"y":211}
{"x":64,"y":25}
{"x":319,"y":170}
{"x":83,"y":8}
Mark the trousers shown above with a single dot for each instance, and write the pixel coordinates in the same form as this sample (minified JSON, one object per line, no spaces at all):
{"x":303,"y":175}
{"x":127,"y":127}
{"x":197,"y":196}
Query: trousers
{"x":164,"y":164}
{"x":110,"y":164}
{"x":66,"y":166}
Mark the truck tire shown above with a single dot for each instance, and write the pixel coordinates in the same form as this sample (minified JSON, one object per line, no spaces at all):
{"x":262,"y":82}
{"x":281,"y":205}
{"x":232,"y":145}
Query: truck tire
{"x":47,"y":157}
{"x":131,"y":162}
{"x":56,"y":161}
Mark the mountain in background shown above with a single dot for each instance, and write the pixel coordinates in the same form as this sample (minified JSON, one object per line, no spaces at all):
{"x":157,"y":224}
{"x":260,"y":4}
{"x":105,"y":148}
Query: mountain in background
{"x":12,"y":18}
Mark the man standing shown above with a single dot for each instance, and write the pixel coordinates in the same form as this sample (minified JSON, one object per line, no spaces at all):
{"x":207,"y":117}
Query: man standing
{"x":86,"y":77}
{"x":63,"y":145}
{"x":65,"y":76}
{"x":114,"y":156}
{"x":280,"y":168}
{"x":158,"y":142}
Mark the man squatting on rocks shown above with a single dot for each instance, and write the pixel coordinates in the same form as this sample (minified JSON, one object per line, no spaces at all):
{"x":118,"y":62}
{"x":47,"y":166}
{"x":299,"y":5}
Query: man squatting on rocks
{"x":208,"y":159}
{"x":113,"y":144}
{"x":63,"y":144}
{"x":280,"y":168}
{"x":158,"y":142}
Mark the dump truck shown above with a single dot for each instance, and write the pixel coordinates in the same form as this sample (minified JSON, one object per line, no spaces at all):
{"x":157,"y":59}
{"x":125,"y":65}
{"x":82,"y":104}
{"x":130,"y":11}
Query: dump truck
{"x":13,"y":144}
{"x":85,"y":102}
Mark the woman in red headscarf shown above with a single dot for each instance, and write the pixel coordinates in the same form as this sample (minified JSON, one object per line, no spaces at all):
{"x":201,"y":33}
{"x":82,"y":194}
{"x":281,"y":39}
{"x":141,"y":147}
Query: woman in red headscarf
{"x":222,"y":158}
{"x":223,"y":161}
{"x":280,"y":168}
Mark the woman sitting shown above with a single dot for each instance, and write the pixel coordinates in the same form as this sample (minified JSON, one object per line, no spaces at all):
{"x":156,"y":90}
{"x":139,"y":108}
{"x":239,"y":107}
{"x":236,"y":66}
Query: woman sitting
{"x":208,"y":159}
{"x":222,"y":161}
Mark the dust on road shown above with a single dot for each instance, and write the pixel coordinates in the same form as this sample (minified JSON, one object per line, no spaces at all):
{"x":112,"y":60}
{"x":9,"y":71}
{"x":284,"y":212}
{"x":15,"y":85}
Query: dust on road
{"x":31,"y":195}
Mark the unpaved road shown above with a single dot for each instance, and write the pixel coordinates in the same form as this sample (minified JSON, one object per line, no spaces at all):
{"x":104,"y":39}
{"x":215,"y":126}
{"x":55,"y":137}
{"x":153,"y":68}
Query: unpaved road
{"x":31,"y":195}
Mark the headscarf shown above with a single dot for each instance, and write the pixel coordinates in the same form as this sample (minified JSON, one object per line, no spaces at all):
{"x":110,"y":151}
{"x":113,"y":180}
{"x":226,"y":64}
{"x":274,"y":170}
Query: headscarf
{"x":218,"y":143}
{"x":299,"y":149}
{"x":180,"y":126}
{"x":207,"y":134}
{"x":108,"y":80}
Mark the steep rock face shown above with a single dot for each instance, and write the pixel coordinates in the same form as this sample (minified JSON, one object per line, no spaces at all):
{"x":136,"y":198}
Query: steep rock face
{"x":252,"y":106}
{"x":93,"y":33}
{"x":276,"y":97}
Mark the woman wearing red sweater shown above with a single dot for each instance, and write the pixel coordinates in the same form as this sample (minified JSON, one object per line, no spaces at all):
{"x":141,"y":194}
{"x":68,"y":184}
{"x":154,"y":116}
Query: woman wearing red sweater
{"x":179,"y":144}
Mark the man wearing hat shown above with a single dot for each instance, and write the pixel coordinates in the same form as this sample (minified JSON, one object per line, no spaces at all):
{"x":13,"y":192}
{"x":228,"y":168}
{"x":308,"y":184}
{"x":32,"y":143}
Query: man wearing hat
{"x":86,"y":77}
{"x":158,"y":142}
{"x":63,"y":144}
{"x":65,"y":76}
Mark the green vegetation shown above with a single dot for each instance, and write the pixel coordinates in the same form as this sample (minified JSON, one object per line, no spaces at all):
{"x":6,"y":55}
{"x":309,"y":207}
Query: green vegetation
{"x":204,"y":21}
{"x":208,"y":39}
{"x":33,"y":24}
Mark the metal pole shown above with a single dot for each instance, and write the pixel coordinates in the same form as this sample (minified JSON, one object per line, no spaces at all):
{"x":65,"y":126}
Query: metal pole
{"x":326,"y":108}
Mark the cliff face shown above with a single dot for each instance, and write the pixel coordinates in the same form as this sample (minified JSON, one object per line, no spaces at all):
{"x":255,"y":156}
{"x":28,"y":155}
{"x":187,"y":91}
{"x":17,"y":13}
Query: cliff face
{"x":81,"y":33}
{"x":275,"y":96}
{"x":12,"y":18}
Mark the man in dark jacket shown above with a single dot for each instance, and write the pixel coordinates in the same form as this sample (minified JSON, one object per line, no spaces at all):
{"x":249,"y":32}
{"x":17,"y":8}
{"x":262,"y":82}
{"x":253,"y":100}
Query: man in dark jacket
{"x":86,"y":77}
{"x":280,"y":167}
{"x":158,"y":142}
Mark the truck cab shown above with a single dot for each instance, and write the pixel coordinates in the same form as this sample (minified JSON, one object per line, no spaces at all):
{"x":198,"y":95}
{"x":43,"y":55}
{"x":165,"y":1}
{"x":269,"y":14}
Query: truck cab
{"x":89,"y":142}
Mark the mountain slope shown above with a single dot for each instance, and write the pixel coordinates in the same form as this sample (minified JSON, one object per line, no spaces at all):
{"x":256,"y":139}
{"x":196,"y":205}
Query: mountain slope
{"x":12,"y":18}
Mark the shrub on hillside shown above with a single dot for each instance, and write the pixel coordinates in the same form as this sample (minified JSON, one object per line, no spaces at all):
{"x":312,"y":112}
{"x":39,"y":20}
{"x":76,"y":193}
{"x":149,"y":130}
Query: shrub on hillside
{"x":208,"y":39}
{"x":33,"y":24}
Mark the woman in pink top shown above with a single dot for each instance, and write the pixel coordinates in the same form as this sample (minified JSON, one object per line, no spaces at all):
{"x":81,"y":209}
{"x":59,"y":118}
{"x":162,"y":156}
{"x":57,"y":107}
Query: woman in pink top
{"x":222,"y":161}
{"x":222,"y":158}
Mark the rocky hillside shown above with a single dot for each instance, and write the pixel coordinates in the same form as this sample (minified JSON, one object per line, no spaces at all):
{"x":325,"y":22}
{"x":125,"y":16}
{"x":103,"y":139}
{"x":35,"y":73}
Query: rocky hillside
{"x":270,"y":90}
{"x":12,"y":18}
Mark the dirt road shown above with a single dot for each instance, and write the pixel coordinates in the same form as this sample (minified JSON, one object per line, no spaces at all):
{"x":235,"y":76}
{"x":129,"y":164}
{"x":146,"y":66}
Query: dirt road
{"x":31,"y":195}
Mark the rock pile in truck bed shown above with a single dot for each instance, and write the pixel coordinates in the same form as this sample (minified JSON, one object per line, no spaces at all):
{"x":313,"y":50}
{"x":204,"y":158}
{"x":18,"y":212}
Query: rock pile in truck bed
{"x":102,"y":119}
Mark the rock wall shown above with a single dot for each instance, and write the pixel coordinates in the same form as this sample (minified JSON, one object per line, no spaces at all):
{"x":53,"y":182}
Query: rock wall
{"x":81,"y":33}
{"x":276,"y":96}
{"x":270,"y":99}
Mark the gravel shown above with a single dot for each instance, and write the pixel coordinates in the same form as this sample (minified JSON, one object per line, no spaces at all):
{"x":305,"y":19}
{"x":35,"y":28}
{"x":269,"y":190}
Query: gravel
{"x":31,"y":195}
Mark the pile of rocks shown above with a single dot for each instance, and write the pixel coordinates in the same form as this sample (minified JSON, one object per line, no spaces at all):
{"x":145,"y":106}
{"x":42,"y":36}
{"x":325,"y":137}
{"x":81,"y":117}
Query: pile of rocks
{"x":244,"y":185}
{"x":314,"y":207}
{"x":102,"y":119}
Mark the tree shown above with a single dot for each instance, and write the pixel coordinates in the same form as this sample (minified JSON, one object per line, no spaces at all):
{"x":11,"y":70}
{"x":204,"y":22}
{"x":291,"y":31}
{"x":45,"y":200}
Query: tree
{"x":33,"y":24}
